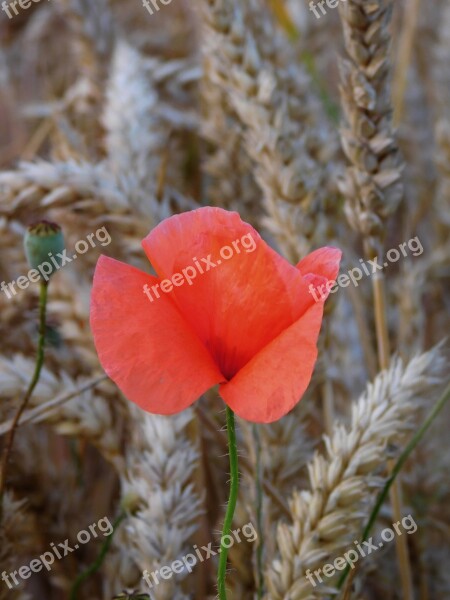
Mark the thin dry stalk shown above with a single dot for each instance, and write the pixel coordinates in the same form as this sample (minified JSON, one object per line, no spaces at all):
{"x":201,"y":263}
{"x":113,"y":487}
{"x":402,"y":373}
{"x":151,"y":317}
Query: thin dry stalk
{"x":410,"y":19}
{"x":372,"y":185}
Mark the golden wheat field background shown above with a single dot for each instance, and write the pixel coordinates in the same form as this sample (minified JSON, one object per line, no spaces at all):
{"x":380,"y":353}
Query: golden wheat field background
{"x":323,"y":123}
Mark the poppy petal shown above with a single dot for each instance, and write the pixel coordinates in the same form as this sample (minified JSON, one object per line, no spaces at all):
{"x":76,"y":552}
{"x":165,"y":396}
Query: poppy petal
{"x":146,"y":348}
{"x":273,"y":382}
{"x":236,"y":307}
{"x":323,"y":262}
{"x":321,"y":267}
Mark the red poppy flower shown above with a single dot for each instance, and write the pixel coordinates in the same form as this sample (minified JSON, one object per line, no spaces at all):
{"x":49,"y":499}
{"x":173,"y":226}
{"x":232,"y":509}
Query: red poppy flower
{"x":245,"y":320}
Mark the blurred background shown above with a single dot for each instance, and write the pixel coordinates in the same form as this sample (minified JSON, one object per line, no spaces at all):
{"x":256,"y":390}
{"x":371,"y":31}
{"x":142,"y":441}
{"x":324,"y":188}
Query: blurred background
{"x":321,"y":126}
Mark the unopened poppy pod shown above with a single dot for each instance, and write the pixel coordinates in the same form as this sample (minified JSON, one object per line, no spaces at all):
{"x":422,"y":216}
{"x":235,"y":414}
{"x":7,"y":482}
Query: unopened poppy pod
{"x":245,"y":321}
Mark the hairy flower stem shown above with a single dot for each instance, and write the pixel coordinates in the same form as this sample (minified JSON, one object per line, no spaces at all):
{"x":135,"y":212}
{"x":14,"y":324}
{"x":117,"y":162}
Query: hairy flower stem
{"x":379,"y":297}
{"x":269,"y":489}
{"x":234,"y":487}
{"x":33,"y":383}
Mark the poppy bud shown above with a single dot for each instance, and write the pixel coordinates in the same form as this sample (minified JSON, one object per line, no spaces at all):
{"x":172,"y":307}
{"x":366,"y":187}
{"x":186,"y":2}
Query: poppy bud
{"x":43,"y":241}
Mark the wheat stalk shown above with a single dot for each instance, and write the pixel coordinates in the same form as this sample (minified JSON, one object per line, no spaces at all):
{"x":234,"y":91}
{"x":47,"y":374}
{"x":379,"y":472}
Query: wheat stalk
{"x":326,"y":517}
{"x":158,"y":485}
{"x":284,"y":124}
{"x":372,"y":185}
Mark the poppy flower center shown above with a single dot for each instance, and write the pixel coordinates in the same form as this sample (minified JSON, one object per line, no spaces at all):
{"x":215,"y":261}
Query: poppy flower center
{"x":227,"y":359}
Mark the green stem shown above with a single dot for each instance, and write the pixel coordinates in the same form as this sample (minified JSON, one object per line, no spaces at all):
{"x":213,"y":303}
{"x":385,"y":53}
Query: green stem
{"x":95,"y":566}
{"x":234,"y":487}
{"x":398,"y":466}
{"x":34,"y":381}
{"x":259,"y":514}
